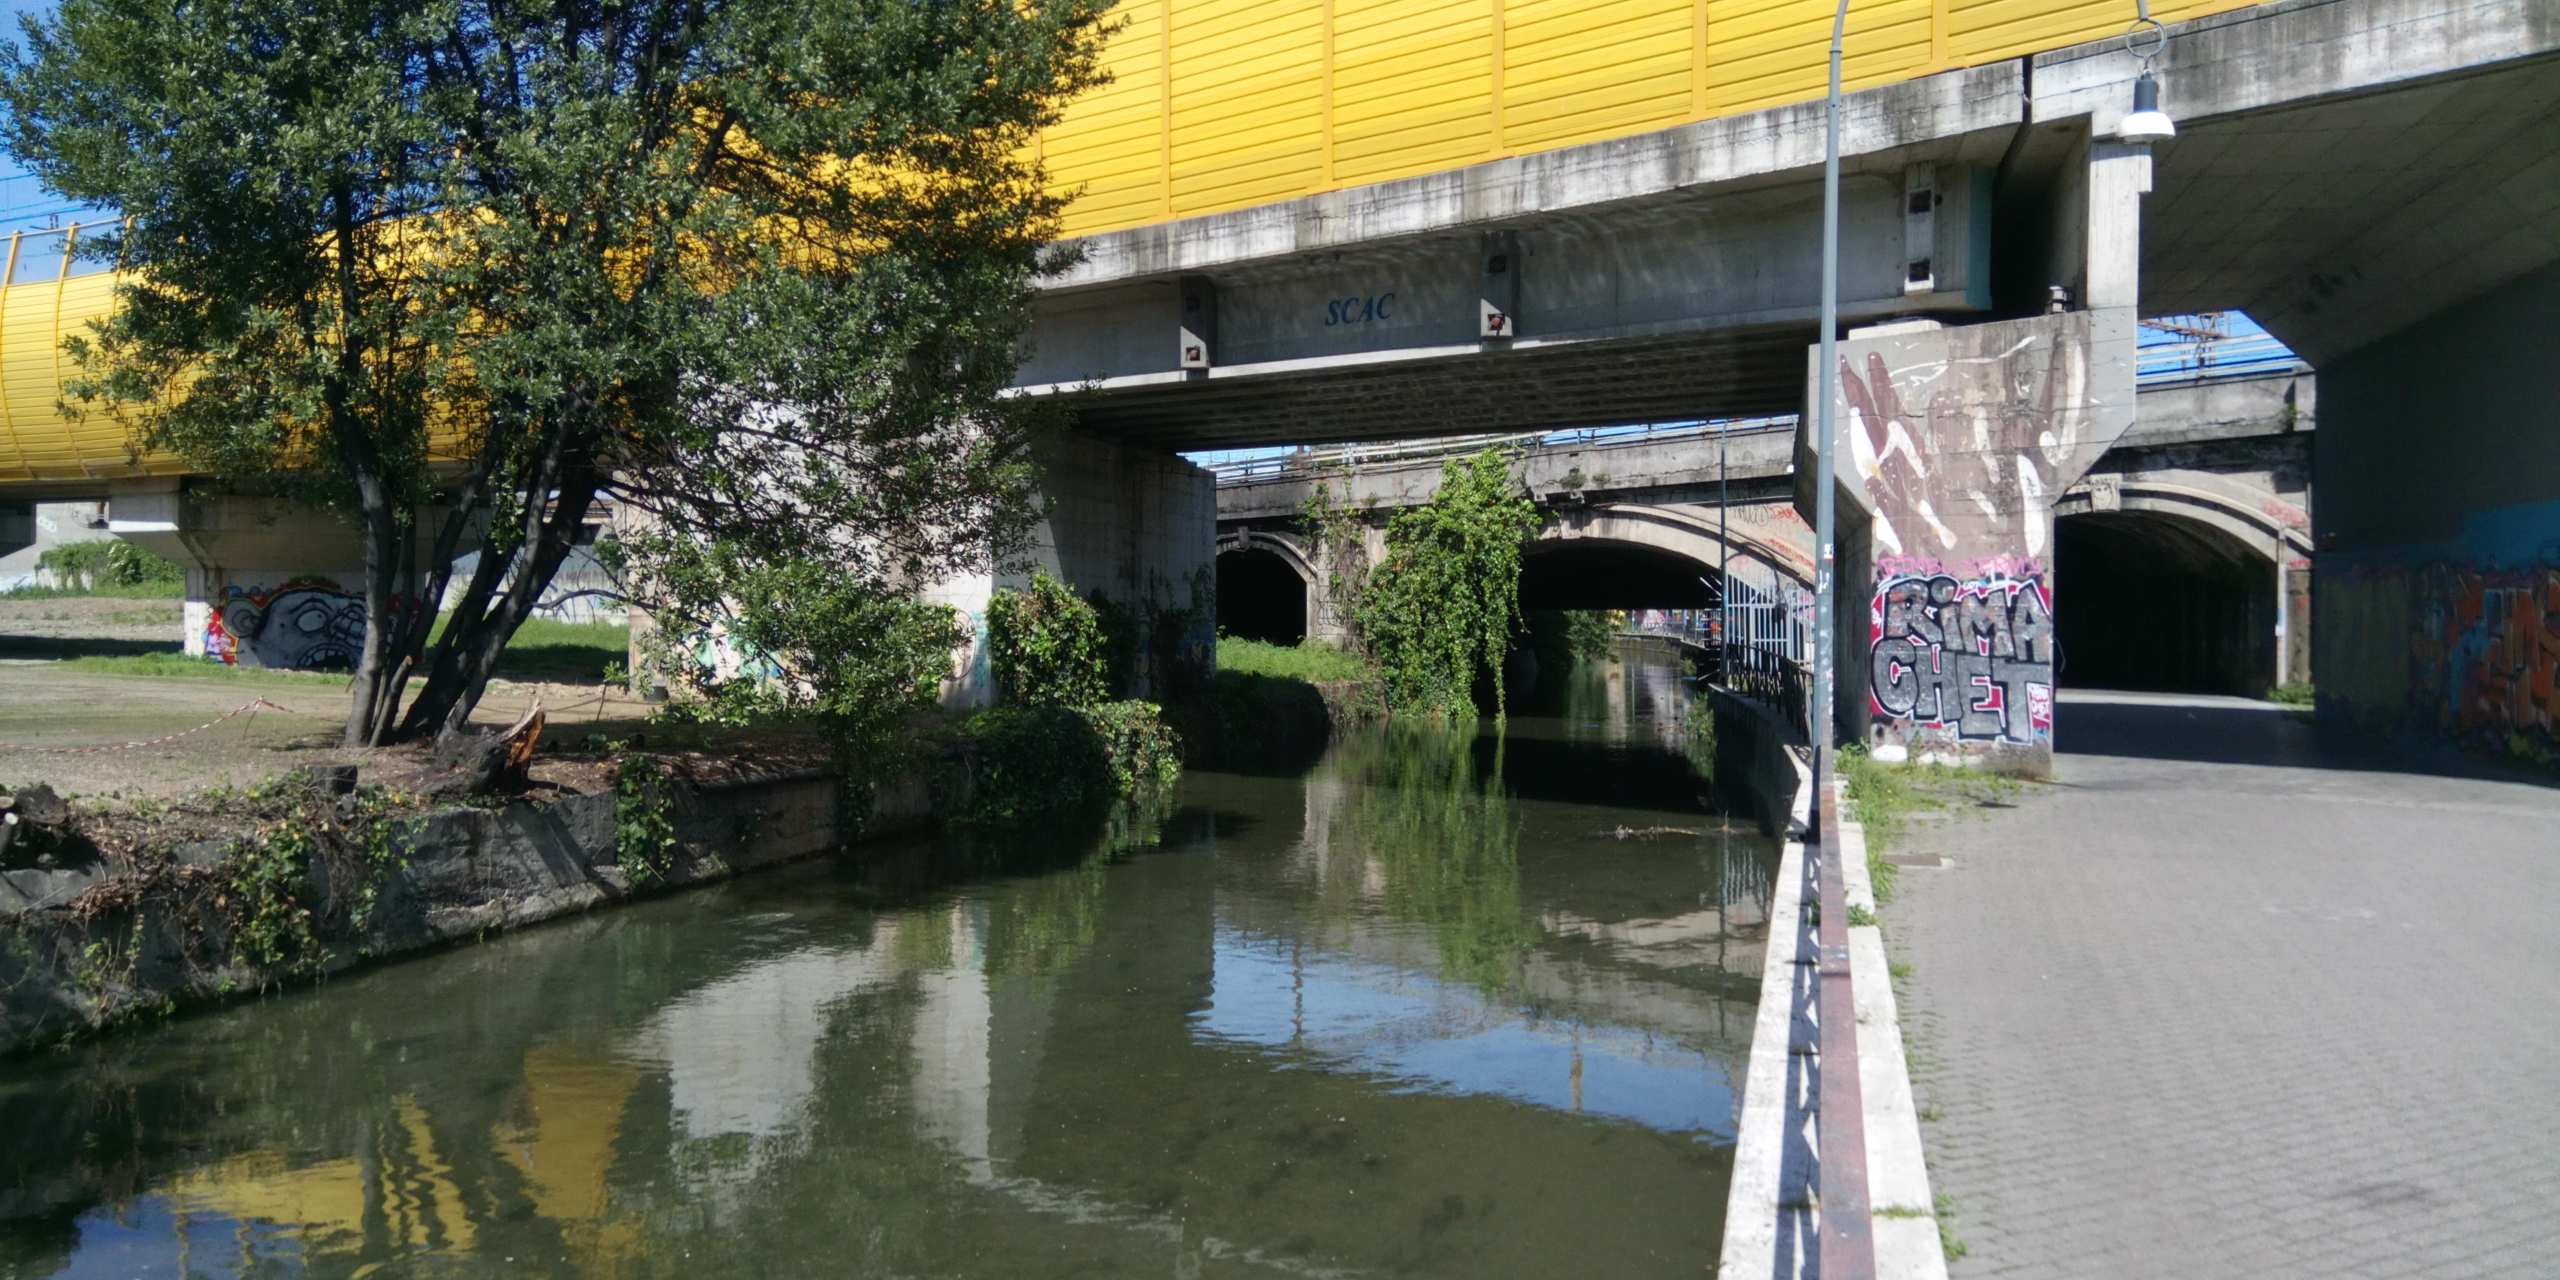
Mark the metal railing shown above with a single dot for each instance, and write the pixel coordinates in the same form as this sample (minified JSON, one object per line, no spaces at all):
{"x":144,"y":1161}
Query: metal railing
{"x":1357,"y":457}
{"x":1758,"y":641}
{"x":2171,"y":349}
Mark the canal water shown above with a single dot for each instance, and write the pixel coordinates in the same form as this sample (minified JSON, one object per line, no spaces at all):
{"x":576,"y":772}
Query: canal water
{"x":1445,"y":1005}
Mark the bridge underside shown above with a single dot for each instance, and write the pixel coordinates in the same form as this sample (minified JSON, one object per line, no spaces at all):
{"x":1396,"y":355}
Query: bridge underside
{"x":1726,"y":373}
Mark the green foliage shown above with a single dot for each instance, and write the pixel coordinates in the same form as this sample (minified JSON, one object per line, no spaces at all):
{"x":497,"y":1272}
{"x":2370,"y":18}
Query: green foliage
{"x":76,"y":566}
{"x":1036,"y":762}
{"x":853,"y":660}
{"x":375,"y":826}
{"x":269,"y":880}
{"x":1047,"y":647}
{"x":1120,"y":642}
{"x":644,"y":826}
{"x":131,"y":566}
{"x":1143,"y":753}
{"x":2297,"y":694}
{"x":1442,"y":608}
{"x":1699,"y":743}
{"x":1309,"y":661}
{"x":755,"y":269}
{"x":104,"y":567}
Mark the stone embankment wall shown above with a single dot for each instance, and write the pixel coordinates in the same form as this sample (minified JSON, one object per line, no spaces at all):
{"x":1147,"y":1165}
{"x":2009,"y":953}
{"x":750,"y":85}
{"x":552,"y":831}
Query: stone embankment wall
{"x":467,"y":872}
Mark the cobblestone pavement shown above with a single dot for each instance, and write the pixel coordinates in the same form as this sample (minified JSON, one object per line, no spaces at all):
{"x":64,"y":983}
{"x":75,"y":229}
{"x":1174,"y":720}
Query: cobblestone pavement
{"x":2217,"y":1003}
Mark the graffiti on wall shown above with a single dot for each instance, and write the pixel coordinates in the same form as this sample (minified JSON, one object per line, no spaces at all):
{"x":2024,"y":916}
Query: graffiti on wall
{"x":2485,"y":656}
{"x":305,"y":624}
{"x":1964,"y":658}
{"x":1964,"y":437}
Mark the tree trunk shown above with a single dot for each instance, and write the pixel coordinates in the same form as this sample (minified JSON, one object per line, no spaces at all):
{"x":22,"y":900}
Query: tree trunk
{"x":487,"y":618}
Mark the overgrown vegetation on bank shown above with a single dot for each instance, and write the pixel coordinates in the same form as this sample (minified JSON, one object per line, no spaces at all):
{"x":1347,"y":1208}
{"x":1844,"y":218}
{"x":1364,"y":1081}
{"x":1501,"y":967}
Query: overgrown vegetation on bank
{"x":1434,"y":617}
{"x":1059,"y":744}
{"x":229,"y":889}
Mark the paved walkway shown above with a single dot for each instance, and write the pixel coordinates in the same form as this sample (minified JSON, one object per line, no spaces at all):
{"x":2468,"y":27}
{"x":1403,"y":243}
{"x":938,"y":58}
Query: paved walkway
{"x":2219,"y":1004}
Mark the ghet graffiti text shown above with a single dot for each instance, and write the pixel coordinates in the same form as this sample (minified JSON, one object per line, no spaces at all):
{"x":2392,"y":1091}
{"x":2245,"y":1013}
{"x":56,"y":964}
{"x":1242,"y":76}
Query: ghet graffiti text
{"x":1971,"y":658}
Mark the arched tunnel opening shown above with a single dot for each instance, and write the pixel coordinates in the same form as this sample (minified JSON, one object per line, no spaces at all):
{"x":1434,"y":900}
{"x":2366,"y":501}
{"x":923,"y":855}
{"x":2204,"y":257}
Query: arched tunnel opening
{"x":1591,"y":573}
{"x":2151,"y":601}
{"x":1260,"y":597}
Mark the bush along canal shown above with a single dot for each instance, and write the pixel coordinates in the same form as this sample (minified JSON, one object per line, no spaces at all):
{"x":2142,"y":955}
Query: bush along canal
{"x":1446,"y":1003}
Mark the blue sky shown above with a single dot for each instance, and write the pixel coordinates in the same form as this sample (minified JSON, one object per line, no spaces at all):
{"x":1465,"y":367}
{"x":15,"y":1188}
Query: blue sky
{"x":24,"y":203}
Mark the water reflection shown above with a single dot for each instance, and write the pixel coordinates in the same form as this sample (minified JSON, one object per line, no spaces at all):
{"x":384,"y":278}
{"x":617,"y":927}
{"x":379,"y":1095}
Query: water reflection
{"x":1421,"y":1012}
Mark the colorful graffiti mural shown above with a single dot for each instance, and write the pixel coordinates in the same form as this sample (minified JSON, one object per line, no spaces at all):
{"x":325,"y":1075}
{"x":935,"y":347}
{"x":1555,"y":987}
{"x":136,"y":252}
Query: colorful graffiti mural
{"x":2485,"y":656}
{"x":1962,"y":659}
{"x":309,"y":624}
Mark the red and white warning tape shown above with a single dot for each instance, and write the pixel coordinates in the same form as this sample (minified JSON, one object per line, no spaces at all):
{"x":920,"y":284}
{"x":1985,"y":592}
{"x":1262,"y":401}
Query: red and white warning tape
{"x":251,"y":705}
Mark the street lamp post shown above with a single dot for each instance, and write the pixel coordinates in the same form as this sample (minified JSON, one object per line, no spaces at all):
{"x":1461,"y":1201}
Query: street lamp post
{"x":1826,"y":390}
{"x":1847,"y":1247}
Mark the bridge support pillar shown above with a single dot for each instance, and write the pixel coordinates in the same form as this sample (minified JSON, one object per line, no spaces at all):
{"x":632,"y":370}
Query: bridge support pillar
{"x":1954,"y":444}
{"x":1135,"y":527}
{"x":269,"y":584}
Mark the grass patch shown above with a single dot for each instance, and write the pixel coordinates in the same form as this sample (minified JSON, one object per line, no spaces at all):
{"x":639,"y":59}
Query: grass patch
{"x":566,"y":652}
{"x":1310,"y":662}
{"x":181,"y":666}
{"x":1948,"y":1242}
{"x":104,"y":591}
{"x":1900,"y":970}
{"x":1931,"y":1114}
{"x":1889,"y":797}
{"x":1860,"y":917}
{"x":2297,"y":694}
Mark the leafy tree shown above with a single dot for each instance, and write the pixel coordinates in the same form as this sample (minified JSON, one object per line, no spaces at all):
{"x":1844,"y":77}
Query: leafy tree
{"x":1443,"y":604}
{"x":752,"y":269}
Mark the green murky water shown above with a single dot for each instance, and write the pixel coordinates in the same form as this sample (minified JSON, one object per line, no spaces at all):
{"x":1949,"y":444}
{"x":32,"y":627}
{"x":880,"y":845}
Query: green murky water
{"x":1419,"y":1012}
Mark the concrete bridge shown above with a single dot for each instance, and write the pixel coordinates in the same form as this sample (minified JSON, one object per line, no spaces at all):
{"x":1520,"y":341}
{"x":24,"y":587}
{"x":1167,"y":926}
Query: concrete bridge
{"x":1305,"y":224}
{"x":2198,"y":518}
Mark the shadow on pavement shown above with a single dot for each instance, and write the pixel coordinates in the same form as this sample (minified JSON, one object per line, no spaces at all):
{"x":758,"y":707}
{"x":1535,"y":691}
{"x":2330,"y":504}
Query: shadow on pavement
{"x":2229,"y":731}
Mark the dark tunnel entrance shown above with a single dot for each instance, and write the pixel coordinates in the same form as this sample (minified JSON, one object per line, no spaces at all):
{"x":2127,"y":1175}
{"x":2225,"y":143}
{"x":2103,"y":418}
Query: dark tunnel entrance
{"x":2151,"y":601}
{"x":1260,"y":597}
{"x":1593,"y":573}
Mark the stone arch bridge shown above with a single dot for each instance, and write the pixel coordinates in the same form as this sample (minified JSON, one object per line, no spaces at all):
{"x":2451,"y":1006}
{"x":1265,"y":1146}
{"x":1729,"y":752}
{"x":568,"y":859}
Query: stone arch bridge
{"x":2190,"y":536}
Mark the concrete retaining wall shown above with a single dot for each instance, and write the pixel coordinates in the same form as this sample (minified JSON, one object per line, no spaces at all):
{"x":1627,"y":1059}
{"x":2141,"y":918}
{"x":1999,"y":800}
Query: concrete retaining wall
{"x":1754,"y":762}
{"x":469,"y":872}
{"x":1772,"y":1215}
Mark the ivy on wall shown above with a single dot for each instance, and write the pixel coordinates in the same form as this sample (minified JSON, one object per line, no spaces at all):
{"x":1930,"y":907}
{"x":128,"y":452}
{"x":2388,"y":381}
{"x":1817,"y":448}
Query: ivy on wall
{"x":1442,"y":606}
{"x":1342,"y":546}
